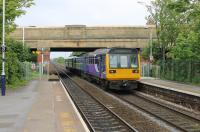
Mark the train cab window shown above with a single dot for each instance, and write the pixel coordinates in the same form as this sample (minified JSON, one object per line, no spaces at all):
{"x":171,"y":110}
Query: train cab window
{"x":123,"y":61}
{"x":113,"y":61}
{"x":134,"y":61}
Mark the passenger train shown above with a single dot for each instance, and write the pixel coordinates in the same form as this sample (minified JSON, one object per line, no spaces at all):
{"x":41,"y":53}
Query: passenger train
{"x":113,"y":68}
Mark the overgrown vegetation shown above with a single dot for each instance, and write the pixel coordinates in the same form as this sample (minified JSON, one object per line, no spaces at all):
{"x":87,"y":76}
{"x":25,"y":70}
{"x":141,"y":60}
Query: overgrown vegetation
{"x":17,"y":62}
{"x":16,"y":54}
{"x":59,"y":60}
{"x":178,"y":44}
{"x":77,"y":53}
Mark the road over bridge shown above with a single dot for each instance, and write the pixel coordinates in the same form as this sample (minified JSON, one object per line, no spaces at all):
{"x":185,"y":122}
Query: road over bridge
{"x":72,"y":37}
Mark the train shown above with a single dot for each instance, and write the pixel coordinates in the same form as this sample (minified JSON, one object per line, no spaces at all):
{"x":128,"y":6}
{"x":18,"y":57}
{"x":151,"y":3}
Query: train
{"x":112,"y":68}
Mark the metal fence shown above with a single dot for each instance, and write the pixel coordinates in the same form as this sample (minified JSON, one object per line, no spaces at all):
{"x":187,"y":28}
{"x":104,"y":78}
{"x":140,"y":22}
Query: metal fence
{"x":181,"y":71}
{"x":30,"y":70}
{"x":27,"y":70}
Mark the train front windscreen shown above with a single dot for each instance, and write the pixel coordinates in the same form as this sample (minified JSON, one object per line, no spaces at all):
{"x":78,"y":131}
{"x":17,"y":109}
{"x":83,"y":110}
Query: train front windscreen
{"x":123,"y":58}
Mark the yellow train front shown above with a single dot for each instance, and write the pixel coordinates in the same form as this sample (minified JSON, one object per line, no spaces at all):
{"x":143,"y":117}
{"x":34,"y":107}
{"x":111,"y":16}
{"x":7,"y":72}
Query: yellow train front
{"x":122,"y":68}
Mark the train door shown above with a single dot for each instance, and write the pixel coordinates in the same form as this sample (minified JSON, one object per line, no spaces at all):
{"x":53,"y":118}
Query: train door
{"x":102,"y":66}
{"x":97,"y":62}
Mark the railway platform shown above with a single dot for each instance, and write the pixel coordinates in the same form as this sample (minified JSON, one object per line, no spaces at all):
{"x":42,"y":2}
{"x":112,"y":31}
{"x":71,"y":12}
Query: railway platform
{"x":41,"y":106}
{"x":173,"y":86}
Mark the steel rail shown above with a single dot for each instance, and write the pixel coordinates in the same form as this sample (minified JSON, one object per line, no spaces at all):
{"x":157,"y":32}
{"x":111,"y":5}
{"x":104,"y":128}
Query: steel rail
{"x":82,"y":113}
{"x":163,"y":116}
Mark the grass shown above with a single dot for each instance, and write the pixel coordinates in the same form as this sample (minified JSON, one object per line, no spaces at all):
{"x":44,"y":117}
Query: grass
{"x":19,"y":83}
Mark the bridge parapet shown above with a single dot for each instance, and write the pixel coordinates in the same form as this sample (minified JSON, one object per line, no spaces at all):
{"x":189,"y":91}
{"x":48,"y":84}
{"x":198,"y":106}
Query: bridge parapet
{"x":34,"y":36}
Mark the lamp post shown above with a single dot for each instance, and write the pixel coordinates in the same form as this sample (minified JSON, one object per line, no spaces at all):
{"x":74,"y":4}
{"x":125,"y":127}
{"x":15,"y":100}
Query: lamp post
{"x":42,"y":62}
{"x":151,"y":54}
{"x":150,"y":32}
{"x":3,"y":48}
{"x":23,"y":34}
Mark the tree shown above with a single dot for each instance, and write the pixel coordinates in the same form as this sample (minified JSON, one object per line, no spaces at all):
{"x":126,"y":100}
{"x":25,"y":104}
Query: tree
{"x":16,"y":53}
{"x":178,"y":27}
{"x":22,"y":52}
{"x":14,"y":9}
{"x":59,"y":60}
{"x":77,"y":53}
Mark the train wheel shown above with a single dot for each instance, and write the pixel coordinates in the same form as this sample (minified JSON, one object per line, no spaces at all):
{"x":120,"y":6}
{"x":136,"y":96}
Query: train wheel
{"x":102,"y":84}
{"x":107,"y":84}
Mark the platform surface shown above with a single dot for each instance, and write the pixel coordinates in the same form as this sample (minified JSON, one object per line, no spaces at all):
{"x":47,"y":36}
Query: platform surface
{"x":41,"y":106}
{"x":180,"y":87}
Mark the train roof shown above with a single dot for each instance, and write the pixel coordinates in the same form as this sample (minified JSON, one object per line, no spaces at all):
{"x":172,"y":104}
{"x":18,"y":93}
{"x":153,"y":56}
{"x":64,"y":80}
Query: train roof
{"x":99,"y":52}
{"x":106,"y":50}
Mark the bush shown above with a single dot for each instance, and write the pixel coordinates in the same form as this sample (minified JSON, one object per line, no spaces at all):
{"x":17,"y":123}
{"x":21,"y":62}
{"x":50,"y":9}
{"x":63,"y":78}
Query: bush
{"x":16,"y":56}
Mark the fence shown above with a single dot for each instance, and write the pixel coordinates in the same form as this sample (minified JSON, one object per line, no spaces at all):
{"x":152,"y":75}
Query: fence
{"x":181,"y":71}
{"x":30,"y":70}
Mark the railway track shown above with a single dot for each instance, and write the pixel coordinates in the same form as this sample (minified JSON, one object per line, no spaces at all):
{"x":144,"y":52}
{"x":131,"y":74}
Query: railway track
{"x":97,"y":116}
{"x":178,"y":120}
{"x":175,"y":119}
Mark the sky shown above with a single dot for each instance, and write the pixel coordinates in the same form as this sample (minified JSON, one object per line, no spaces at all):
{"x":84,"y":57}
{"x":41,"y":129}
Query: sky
{"x":84,"y":12}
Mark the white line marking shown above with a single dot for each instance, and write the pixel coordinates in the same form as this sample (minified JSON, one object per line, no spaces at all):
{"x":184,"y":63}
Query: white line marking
{"x":76,"y":111}
{"x":58,"y":98}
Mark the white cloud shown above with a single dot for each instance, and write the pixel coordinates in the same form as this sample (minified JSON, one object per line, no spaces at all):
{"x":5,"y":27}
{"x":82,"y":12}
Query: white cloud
{"x":87,"y":12}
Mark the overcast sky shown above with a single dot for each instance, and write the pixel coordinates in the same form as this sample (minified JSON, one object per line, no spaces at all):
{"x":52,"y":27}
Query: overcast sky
{"x":84,"y":12}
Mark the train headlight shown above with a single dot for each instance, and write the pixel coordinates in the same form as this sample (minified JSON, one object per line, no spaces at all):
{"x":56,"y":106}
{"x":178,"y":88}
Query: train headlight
{"x":112,"y":71}
{"x":135,"y":71}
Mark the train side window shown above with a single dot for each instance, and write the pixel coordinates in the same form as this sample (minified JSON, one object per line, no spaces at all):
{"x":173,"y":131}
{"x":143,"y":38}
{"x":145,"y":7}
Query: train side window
{"x":96,"y":60}
{"x":93,"y":60}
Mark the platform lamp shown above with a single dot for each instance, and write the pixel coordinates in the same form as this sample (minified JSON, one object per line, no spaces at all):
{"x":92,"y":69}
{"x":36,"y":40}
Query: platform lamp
{"x":3,"y":48}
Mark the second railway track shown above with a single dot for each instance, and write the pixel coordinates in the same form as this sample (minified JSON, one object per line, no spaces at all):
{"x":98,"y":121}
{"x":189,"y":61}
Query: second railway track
{"x":98,"y":116}
{"x":179,"y":120}
{"x":175,"y":120}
